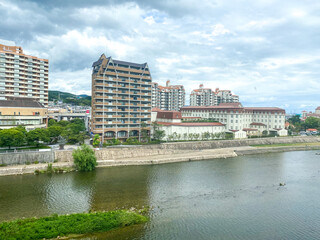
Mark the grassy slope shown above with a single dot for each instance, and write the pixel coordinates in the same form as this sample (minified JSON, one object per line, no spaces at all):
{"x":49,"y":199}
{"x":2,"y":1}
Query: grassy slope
{"x":81,"y":223}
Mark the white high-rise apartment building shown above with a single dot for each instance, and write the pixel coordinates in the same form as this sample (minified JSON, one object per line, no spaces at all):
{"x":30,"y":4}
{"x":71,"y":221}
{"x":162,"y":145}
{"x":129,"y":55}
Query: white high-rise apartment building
{"x":22,"y":75}
{"x":207,"y":97}
{"x":170,"y":97}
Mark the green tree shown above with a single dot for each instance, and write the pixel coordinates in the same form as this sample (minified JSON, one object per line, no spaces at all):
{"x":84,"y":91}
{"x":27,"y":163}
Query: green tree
{"x":54,"y":133}
{"x":77,"y":125}
{"x":21,"y":129}
{"x":144,"y":132}
{"x":84,"y":158}
{"x":312,"y":122}
{"x":294,"y":120}
{"x":63,"y":123}
{"x":51,"y":122}
{"x":96,"y":140}
{"x":206,"y":135}
{"x":196,"y":136}
{"x":11,"y":138}
{"x":157,"y":133}
{"x":35,"y":136}
{"x":190,"y":136}
{"x":185,"y":136}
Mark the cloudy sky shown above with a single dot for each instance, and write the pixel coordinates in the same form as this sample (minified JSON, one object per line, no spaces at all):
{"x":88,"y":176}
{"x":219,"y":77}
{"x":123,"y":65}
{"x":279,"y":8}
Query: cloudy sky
{"x":265,"y":51}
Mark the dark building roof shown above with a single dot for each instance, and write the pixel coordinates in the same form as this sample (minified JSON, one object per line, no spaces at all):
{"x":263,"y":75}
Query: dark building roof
{"x":96,"y":63}
{"x":143,"y":65}
{"x":169,"y":115}
{"x":192,"y":124}
{"x":21,"y":102}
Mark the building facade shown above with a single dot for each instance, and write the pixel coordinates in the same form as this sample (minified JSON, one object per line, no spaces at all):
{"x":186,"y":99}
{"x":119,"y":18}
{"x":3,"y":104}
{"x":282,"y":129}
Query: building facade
{"x":121,"y":98}
{"x":306,"y":114}
{"x":22,"y":75}
{"x":236,"y":117}
{"x":22,"y":112}
{"x":208,"y":97}
{"x":171,"y":123}
{"x":170,"y":97}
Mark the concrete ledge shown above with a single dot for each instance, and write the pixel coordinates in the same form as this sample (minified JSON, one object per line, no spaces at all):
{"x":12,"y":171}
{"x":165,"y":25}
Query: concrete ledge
{"x":29,"y":169}
{"x":259,"y":150}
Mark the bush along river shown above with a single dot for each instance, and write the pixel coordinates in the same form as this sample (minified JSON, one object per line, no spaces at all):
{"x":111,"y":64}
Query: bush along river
{"x":267,"y":196}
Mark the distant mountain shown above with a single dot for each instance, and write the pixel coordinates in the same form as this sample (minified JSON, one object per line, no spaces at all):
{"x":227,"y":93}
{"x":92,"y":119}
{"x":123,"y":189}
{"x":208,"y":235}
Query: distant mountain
{"x":78,"y":100}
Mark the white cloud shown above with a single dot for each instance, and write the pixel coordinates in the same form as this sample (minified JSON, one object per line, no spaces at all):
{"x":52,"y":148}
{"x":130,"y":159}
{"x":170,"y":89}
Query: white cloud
{"x":264,"y":51}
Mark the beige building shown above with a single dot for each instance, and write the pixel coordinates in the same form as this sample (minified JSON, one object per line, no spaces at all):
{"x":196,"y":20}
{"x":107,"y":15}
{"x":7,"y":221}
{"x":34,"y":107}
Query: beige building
{"x":170,"y":97}
{"x":22,"y":75}
{"x":253,"y":120}
{"x":22,"y":112}
{"x":121,"y":98}
{"x":208,"y":97}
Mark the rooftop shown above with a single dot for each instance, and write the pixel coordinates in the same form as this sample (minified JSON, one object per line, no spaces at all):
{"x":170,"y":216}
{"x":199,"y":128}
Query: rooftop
{"x":21,"y":103}
{"x":143,"y":65}
{"x":191,"y":124}
{"x":169,"y":115}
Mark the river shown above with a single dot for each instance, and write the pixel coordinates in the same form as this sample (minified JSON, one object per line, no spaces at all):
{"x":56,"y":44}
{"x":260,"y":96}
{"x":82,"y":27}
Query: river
{"x":234,"y":198}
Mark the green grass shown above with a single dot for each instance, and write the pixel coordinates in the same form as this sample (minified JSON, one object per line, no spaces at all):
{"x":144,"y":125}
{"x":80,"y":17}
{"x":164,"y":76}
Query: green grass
{"x":287,"y":145}
{"x":80,"y":223}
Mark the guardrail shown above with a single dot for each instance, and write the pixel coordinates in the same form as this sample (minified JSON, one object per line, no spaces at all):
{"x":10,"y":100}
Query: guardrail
{"x":25,"y":150}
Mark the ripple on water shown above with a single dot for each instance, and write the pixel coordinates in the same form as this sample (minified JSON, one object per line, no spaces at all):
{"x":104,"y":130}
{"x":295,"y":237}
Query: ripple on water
{"x":236,"y":198}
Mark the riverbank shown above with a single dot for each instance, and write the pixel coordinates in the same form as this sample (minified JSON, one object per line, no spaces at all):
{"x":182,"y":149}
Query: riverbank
{"x":80,"y":223}
{"x":171,"y":157}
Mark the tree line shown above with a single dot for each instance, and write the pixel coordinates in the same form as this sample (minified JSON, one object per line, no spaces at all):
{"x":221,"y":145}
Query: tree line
{"x":70,"y":131}
{"x":297,"y":125}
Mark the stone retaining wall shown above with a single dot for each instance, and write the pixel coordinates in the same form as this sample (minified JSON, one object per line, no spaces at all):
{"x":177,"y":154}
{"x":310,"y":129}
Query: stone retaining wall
{"x":117,"y":153}
{"x":112,"y":153}
{"x":199,"y":145}
{"x":15,"y":158}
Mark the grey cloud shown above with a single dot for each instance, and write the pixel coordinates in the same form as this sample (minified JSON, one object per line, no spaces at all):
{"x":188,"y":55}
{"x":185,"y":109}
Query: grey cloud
{"x":261,"y":50}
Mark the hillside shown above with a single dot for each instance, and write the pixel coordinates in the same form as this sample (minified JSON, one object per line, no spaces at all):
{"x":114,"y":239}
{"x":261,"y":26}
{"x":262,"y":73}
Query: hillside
{"x":79,"y":100}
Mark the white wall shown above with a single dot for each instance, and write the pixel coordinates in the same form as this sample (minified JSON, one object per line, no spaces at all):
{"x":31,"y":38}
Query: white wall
{"x":169,"y":130}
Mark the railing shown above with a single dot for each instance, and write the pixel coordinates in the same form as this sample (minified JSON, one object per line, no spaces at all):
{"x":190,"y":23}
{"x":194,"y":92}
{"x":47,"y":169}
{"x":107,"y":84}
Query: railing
{"x":25,"y":150}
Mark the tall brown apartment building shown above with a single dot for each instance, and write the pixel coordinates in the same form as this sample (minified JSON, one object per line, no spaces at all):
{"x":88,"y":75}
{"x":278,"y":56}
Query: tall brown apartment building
{"x":121,"y":98}
{"x":22,"y":75}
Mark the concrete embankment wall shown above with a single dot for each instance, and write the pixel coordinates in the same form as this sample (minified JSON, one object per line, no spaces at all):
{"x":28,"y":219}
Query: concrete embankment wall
{"x":274,"y":149}
{"x":118,"y":153}
{"x":200,"y":145}
{"x":16,"y":158}
{"x":113,"y":153}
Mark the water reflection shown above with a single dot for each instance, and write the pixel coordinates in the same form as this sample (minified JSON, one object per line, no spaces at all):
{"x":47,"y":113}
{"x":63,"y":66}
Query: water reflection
{"x":236,"y":198}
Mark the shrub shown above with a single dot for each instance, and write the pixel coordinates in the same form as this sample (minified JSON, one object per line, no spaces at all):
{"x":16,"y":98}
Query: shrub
{"x":84,"y":158}
{"x":50,"y":168}
{"x":131,"y":141}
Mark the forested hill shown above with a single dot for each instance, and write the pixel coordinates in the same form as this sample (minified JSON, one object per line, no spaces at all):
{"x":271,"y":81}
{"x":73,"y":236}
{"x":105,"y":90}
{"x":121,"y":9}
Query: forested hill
{"x":80,"y":100}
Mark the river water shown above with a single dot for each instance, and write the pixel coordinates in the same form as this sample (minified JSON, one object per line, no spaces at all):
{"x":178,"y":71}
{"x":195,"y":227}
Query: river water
{"x":235,"y":198}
